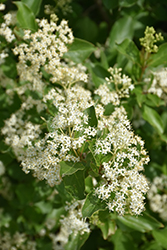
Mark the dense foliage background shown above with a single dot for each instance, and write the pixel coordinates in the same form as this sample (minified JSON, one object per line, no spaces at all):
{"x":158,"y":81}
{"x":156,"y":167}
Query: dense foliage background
{"x":106,"y":34}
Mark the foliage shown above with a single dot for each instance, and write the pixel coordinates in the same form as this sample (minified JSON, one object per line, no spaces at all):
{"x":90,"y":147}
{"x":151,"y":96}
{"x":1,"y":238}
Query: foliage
{"x":83,"y":96}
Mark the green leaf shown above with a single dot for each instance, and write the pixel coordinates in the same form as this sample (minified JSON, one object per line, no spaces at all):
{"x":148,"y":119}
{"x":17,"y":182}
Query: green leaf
{"x":34,"y":5}
{"x":141,"y":98}
{"x":25,"y":17}
{"x":160,"y":57}
{"x":79,"y":50}
{"x":98,"y":73}
{"x":75,"y":184}
{"x":92,"y":119}
{"x":152,"y":117}
{"x":92,"y":204}
{"x":9,"y":68}
{"x":68,"y":168}
{"x":156,"y":100}
{"x":142,"y":224}
{"x":123,"y":241}
{"x":25,"y":194}
{"x":127,"y":3}
{"x":110,"y":4}
{"x":130,"y":50}
{"x":161,"y":237}
{"x":122,"y":29}
{"x":45,"y":207}
{"x":75,"y":242}
{"x":106,"y":224}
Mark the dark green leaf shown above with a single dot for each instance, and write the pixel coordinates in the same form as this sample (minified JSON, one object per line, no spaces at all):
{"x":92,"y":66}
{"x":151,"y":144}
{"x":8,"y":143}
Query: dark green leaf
{"x":92,"y":120}
{"x":92,"y":204}
{"x":110,"y":4}
{"x":123,"y":241}
{"x":75,"y":184}
{"x":160,"y":57}
{"x":79,"y":50}
{"x":139,"y":95}
{"x":122,"y":29}
{"x":152,"y":117}
{"x":161,"y":237}
{"x":25,"y":17}
{"x":129,"y":49}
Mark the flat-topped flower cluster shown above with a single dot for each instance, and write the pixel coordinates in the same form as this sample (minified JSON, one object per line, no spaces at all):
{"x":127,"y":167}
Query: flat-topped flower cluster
{"x":118,"y":153}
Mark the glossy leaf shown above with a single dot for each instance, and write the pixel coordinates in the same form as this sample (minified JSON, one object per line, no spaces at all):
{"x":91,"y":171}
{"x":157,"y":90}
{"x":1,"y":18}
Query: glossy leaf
{"x":122,"y":29}
{"x":92,"y":119}
{"x":110,"y":4}
{"x":126,"y":3}
{"x":98,"y":74}
{"x":142,"y":224}
{"x":152,"y":117}
{"x":75,"y":242}
{"x":160,"y":57}
{"x":25,"y":17}
{"x":75,"y":184}
{"x":92,"y":204}
{"x":161,"y":237}
{"x":34,"y":5}
{"x":122,"y":241}
{"x":68,"y":168}
{"x":130,"y":50}
{"x":79,"y":50}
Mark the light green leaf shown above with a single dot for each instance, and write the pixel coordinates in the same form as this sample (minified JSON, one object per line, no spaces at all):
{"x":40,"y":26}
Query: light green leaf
{"x":45,"y":207}
{"x":126,"y":3}
{"x":142,"y":224}
{"x":92,"y":204}
{"x":152,"y":117}
{"x":79,"y":50}
{"x":156,"y":100}
{"x":75,"y":184}
{"x":160,"y":57}
{"x":68,"y":168}
{"x":25,"y":17}
{"x":75,"y":242}
{"x":122,"y":29}
{"x":34,"y":5}
{"x":161,"y":237}
{"x":130,"y":50}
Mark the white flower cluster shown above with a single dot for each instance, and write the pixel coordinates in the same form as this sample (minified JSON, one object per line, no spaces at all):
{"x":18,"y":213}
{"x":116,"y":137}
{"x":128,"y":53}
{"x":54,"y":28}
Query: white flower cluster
{"x":159,"y":84}
{"x":2,"y":6}
{"x":157,"y":196}
{"x":73,"y":222}
{"x":66,"y":138}
{"x":20,"y":133}
{"x":117,"y":87}
{"x":17,"y":241}
{"x":5,"y":30}
{"x":122,"y":187}
{"x":44,"y":48}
